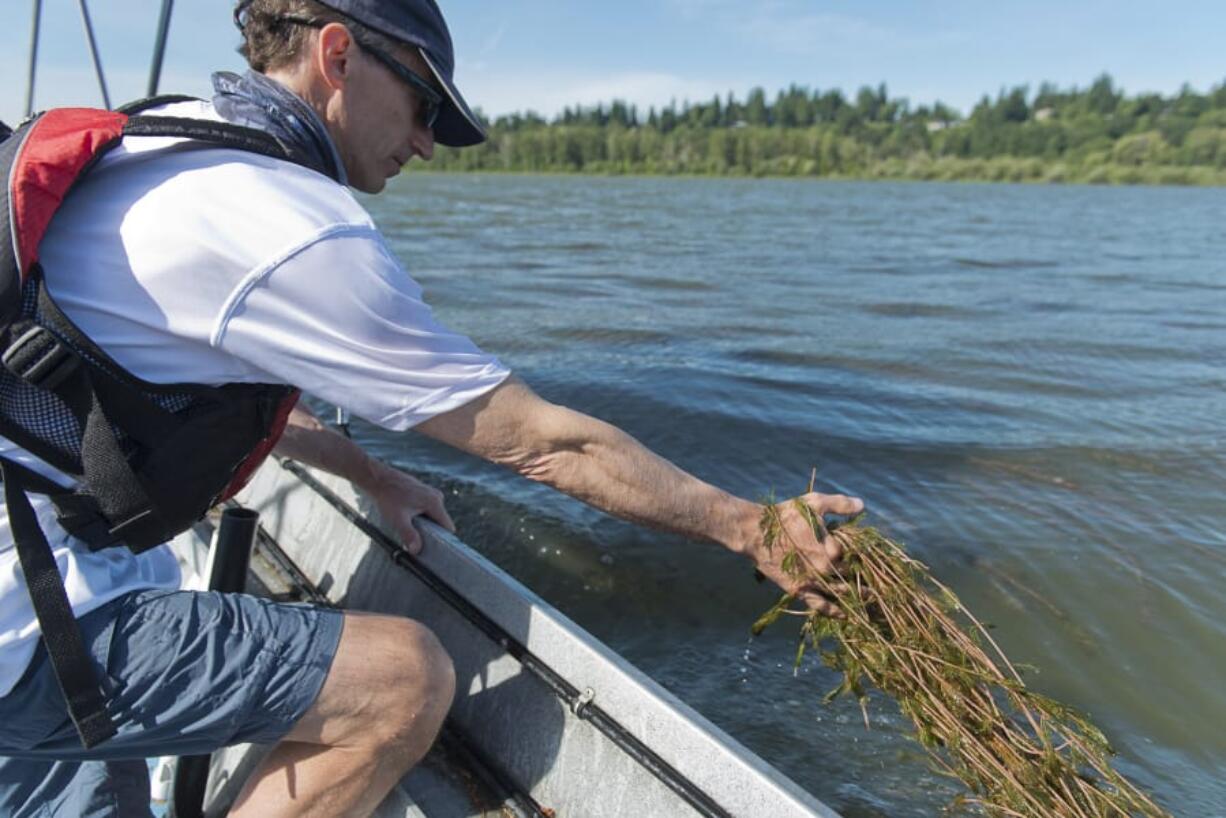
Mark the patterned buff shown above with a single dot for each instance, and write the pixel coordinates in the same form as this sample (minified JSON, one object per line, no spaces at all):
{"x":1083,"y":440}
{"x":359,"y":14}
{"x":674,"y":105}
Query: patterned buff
{"x":256,"y":101}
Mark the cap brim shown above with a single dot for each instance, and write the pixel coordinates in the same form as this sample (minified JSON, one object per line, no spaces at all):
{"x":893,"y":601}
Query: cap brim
{"x":456,"y":126}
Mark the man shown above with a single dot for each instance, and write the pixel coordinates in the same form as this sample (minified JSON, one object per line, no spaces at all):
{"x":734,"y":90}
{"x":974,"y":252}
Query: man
{"x":189,"y":263}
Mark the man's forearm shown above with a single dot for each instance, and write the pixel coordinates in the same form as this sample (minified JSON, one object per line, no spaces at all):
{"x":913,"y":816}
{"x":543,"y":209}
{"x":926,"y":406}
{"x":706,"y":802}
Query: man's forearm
{"x":610,"y":470}
{"x":607,"y":468}
{"x":309,"y":441}
{"x":597,"y":463}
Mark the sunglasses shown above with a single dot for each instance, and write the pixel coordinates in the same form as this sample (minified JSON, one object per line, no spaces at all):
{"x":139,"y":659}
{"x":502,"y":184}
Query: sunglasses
{"x":431,"y":99}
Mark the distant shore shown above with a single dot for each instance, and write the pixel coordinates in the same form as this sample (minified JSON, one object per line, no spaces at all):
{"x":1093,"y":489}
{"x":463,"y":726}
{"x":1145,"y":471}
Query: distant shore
{"x":1005,"y":170}
{"x":1098,"y":135}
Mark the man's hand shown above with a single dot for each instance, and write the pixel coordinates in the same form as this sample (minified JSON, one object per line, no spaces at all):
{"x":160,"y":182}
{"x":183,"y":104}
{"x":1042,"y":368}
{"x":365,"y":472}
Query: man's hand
{"x":400,"y":498}
{"x":795,"y":534}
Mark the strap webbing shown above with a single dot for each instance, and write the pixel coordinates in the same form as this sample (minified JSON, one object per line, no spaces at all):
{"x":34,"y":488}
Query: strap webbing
{"x":221,"y":134}
{"x":69,"y":659}
{"x":93,"y":398}
{"x":120,"y":494}
{"x":140,"y":105}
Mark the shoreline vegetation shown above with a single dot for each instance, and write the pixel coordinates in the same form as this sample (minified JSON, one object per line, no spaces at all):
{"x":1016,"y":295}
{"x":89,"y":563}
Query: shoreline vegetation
{"x":1097,"y":135}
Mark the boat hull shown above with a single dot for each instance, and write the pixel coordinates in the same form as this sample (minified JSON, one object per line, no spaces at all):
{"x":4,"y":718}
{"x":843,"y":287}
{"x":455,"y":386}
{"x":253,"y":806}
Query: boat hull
{"x":540,"y":702}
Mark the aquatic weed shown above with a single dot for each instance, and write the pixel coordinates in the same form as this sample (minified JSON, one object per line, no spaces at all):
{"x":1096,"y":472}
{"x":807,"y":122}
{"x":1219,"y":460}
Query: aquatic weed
{"x":1019,"y":754}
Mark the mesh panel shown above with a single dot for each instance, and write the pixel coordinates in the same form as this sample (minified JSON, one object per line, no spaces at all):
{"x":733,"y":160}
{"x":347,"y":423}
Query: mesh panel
{"x":42,"y":414}
{"x":39,"y":413}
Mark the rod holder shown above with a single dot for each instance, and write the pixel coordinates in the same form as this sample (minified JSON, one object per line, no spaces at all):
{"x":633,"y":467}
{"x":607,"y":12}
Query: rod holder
{"x":230,"y":554}
{"x":229,"y":558}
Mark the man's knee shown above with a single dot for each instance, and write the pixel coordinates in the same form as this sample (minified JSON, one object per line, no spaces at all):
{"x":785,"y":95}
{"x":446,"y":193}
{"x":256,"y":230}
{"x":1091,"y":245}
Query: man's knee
{"x":418,"y":684}
{"x":425,"y":669}
{"x":391,"y":683}
{"x":411,"y":681}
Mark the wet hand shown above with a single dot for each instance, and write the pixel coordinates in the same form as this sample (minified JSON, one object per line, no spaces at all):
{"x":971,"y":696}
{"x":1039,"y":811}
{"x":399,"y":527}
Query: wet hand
{"x":792,"y":532}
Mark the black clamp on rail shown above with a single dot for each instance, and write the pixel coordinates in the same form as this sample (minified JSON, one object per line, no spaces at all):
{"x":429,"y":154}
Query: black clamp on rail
{"x":580,"y":704}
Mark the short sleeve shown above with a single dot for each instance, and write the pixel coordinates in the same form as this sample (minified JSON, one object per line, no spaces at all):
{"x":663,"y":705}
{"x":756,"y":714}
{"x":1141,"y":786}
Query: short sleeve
{"x":340,"y":318}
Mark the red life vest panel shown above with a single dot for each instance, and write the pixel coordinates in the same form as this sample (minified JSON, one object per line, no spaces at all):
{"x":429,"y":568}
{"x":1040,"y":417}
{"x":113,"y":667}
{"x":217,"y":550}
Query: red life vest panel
{"x":148,"y":459}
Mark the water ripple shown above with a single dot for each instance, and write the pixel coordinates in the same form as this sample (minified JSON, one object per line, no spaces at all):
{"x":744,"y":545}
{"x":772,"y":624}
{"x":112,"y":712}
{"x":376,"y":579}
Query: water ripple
{"x":1027,"y":385}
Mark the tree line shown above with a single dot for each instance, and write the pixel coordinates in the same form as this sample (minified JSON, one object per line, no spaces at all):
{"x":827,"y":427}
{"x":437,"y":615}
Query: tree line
{"x":1095,"y":134}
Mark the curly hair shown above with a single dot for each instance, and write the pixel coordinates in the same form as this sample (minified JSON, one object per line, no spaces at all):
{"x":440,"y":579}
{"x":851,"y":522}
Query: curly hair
{"x":272,"y":41}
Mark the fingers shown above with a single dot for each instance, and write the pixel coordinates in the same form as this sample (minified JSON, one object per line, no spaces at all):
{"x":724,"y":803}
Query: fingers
{"x":834,"y":548}
{"x":437,"y":512}
{"x":409,"y":537}
{"x":402,"y":497}
{"x":823,"y":504}
{"x":819,"y":604}
{"x":836,"y":589}
{"x":820,"y":554}
{"x":834,"y":503}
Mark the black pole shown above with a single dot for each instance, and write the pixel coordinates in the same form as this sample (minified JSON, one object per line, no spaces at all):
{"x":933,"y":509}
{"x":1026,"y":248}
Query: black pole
{"x":93,"y":52}
{"x":38,"y":13}
{"x":231,"y":554}
{"x":159,"y":48}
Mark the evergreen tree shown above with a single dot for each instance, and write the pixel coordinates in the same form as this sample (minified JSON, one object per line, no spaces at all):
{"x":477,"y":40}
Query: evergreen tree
{"x":756,"y":111}
{"x":1097,"y":134}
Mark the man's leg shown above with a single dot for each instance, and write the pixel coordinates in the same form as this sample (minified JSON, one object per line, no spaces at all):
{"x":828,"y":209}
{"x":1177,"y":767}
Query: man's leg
{"x":81,"y":789}
{"x":354,"y":699}
{"x":384,"y":700}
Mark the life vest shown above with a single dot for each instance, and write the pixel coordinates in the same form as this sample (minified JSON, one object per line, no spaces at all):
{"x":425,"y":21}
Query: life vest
{"x":148,"y":459}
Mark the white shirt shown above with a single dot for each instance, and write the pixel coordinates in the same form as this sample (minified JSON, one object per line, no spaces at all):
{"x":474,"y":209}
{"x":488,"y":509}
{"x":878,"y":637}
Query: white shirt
{"x":194,"y":264}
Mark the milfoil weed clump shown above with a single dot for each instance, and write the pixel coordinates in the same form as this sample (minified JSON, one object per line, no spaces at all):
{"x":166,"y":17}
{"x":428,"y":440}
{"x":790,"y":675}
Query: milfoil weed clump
{"x":1018,"y":753}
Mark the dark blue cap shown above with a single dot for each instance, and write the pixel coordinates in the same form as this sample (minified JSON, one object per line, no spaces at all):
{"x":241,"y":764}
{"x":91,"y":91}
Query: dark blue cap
{"x":420,"y":23}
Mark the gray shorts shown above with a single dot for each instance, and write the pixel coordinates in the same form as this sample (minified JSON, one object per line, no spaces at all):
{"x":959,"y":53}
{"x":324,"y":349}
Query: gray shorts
{"x":184,"y":673}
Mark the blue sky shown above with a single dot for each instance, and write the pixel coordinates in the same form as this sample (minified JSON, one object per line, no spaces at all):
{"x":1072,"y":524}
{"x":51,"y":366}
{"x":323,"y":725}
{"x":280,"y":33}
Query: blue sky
{"x":532,"y":54}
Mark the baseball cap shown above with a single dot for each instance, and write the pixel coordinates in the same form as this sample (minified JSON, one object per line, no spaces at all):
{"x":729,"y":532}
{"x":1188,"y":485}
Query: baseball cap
{"x":420,"y":23}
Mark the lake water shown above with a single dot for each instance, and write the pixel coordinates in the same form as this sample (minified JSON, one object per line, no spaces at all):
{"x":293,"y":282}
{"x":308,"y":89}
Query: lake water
{"x":1026,"y":384}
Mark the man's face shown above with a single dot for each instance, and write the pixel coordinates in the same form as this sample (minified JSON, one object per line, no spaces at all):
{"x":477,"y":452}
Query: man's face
{"x":381,"y":124}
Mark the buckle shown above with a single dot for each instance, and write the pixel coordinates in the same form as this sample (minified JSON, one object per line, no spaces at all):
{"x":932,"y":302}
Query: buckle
{"x":39,"y":358}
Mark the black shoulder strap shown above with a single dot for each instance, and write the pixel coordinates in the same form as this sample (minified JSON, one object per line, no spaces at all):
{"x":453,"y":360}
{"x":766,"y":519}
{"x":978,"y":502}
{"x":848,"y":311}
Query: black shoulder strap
{"x":65,"y":647}
{"x":221,"y":134}
{"x":142,"y":105}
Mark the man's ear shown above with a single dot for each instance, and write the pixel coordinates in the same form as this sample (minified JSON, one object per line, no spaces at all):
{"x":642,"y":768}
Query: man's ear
{"x":334,"y":49}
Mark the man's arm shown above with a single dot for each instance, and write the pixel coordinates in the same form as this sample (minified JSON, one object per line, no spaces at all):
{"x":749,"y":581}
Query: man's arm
{"x":398,"y":496}
{"x":607,"y":468}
